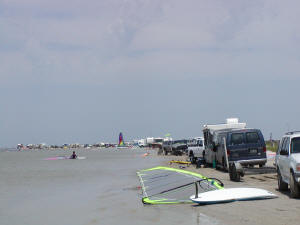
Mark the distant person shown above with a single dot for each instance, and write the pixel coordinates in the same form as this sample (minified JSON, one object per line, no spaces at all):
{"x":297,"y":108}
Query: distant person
{"x":73,"y":156}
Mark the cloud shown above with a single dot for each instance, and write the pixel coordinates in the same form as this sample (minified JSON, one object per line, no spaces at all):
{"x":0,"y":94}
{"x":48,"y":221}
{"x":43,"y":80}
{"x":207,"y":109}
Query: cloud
{"x":103,"y":41}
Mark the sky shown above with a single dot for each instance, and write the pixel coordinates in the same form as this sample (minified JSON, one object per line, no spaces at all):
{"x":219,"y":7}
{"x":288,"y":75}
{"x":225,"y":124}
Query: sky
{"x":82,"y":71}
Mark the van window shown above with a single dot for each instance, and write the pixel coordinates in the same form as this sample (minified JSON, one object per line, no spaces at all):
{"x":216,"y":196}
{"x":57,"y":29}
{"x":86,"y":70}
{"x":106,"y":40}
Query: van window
{"x":280,"y":145}
{"x":237,"y":138}
{"x":295,"y":145}
{"x":252,"y":137}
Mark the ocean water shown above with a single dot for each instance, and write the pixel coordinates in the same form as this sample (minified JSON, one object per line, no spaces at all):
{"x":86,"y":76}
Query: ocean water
{"x":102,"y":189}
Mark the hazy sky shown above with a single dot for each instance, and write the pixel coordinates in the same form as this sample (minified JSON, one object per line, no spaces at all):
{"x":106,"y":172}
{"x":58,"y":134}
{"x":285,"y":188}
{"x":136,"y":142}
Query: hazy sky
{"x":83,"y":70}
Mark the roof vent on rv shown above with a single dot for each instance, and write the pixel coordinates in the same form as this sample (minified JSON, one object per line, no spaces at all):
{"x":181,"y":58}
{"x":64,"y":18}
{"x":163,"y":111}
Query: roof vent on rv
{"x":232,"y":120}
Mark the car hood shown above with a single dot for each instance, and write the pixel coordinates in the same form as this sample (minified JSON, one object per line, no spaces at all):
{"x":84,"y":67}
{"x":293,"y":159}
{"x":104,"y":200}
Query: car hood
{"x":296,"y":157}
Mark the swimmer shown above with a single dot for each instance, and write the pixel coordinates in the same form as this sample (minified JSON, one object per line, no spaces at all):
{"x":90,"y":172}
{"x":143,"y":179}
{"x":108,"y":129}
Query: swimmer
{"x":73,"y":156}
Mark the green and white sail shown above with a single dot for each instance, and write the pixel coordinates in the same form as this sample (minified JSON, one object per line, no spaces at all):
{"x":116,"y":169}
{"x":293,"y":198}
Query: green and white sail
{"x":165,"y":185}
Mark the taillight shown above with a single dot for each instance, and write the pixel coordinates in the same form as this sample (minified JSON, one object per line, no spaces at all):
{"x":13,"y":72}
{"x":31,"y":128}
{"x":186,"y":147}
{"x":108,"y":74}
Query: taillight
{"x":265,"y":149}
{"x":298,"y":167}
{"x":228,"y":152}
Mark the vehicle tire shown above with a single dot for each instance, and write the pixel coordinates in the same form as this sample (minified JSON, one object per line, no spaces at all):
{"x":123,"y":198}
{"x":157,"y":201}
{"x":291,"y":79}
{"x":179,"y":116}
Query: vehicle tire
{"x":233,"y":174}
{"x":193,"y":160}
{"x":294,"y":187}
{"x":165,"y":152}
{"x":282,"y":186}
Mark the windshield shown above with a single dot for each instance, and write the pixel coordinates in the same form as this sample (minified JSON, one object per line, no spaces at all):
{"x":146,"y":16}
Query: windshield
{"x":180,"y":141}
{"x":295,"y":145}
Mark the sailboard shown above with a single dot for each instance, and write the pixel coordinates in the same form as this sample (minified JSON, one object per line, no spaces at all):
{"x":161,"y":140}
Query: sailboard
{"x":121,"y":141}
{"x":232,"y":194}
{"x":63,"y":157}
{"x":165,"y":185}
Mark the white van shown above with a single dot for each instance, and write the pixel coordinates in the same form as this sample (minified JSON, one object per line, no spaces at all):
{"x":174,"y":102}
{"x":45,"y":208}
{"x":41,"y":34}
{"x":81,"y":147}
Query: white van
{"x":195,"y":149}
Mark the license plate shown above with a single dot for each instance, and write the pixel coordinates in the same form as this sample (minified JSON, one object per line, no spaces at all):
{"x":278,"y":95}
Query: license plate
{"x":253,"y":151}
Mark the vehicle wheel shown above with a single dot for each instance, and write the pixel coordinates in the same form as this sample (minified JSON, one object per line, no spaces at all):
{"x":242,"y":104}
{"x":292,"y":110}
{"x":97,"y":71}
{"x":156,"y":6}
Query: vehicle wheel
{"x":193,"y":160}
{"x":294,"y":187}
{"x":230,"y":175}
{"x":165,"y":152}
{"x":282,"y":186}
{"x":233,"y":174}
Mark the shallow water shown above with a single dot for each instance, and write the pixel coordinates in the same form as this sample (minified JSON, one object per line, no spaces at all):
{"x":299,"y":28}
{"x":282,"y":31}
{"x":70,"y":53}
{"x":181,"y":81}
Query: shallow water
{"x":102,"y":189}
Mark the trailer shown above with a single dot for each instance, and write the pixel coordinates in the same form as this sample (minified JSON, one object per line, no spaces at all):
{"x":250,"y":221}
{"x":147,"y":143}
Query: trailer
{"x":236,"y":171}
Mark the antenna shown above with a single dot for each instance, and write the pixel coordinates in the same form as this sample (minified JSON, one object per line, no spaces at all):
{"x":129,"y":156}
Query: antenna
{"x":288,"y":127}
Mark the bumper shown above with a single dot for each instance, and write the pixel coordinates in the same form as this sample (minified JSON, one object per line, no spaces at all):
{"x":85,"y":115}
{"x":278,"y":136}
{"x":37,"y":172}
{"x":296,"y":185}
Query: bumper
{"x":251,"y":161}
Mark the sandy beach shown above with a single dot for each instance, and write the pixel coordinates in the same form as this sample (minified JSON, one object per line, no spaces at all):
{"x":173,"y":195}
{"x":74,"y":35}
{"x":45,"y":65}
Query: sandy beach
{"x":104,"y":189}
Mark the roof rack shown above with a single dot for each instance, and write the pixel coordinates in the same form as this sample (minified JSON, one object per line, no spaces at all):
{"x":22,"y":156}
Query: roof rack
{"x":292,"y":132}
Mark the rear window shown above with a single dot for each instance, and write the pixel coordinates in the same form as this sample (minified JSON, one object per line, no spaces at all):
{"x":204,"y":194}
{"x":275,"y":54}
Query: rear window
{"x":237,"y":138}
{"x":252,"y":137}
{"x":295,"y":145}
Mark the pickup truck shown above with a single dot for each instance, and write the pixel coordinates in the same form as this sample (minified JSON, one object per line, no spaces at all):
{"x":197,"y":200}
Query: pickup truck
{"x":177,"y":147}
{"x":195,"y":149}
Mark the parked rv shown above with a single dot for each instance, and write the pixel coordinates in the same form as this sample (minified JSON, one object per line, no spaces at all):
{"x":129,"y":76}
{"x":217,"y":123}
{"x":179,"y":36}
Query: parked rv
{"x":210,"y":134}
{"x":232,"y":142}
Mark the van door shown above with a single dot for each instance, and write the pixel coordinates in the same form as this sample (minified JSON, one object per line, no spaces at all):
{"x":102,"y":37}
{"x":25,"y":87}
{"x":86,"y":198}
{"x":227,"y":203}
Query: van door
{"x":255,"y":145}
{"x":280,"y":156}
{"x":237,"y":147}
{"x":220,"y":150}
{"x":285,"y":159}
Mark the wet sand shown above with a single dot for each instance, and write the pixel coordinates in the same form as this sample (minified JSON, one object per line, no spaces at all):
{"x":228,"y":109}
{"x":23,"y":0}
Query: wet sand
{"x":102,"y":189}
{"x":278,"y":211}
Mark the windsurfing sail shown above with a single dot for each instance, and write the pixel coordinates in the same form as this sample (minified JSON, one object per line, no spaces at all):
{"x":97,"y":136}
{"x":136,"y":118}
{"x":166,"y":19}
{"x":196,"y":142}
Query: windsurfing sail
{"x":121,"y":140}
{"x":165,"y":185}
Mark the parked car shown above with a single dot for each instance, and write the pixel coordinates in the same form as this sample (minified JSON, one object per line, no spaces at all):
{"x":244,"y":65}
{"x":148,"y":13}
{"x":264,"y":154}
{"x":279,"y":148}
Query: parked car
{"x":195,"y":149}
{"x":177,"y":147}
{"x":287,"y":162}
{"x":246,"y":146}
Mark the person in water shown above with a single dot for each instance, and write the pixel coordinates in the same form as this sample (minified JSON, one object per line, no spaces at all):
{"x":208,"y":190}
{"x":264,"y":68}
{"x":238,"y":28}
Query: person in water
{"x":73,"y":156}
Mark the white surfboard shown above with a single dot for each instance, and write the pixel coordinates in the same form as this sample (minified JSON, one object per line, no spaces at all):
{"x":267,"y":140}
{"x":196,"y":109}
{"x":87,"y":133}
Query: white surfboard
{"x":64,"y":157}
{"x":81,"y":157}
{"x":232,"y":194}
